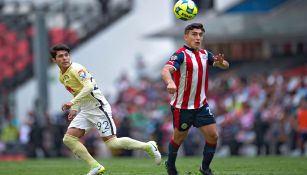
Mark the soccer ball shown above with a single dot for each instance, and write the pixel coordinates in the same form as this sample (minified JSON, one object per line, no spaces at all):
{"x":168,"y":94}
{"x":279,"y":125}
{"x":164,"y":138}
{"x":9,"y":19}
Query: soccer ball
{"x":185,"y":10}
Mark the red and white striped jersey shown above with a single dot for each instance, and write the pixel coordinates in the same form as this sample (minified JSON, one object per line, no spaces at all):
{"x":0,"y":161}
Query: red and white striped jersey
{"x":190,"y":77}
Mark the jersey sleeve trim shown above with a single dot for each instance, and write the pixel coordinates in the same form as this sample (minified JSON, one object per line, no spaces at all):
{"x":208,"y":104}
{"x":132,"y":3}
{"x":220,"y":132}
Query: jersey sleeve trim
{"x":210,"y":58}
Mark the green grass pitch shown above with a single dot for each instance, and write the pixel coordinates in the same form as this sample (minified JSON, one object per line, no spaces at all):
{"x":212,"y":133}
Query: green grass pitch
{"x":146,"y":166}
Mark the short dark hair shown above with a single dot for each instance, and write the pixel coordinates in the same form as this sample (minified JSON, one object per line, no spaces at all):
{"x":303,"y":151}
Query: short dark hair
{"x":194,"y":26}
{"x":53,"y":50}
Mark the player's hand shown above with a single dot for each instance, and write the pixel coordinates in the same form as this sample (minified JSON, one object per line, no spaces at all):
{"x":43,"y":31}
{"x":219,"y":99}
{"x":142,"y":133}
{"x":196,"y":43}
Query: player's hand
{"x":66,"y":106}
{"x":219,"y":58}
{"x":72,"y":114}
{"x":220,"y":62}
{"x":171,"y":87}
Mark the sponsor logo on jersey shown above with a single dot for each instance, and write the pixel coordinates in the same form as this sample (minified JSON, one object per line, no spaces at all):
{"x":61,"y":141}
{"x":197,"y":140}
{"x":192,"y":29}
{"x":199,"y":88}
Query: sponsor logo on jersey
{"x":82,"y":74}
{"x":66,"y":77}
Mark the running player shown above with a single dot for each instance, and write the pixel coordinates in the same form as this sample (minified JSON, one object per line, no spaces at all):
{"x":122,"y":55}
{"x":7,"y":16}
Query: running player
{"x":95,"y":112}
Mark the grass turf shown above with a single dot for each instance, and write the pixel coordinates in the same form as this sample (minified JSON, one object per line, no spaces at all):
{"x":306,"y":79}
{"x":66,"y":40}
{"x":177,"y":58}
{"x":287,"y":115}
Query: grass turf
{"x":143,"y":166}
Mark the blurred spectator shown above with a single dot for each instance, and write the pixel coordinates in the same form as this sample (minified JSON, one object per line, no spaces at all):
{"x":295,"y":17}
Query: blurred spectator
{"x":60,"y":126}
{"x":124,"y":130}
{"x":10,"y":133}
{"x":122,"y":84}
{"x":36,"y":146}
{"x":140,"y":67}
{"x":1,"y":5}
{"x":302,"y":124}
{"x":167,"y":132}
{"x":104,"y":7}
{"x":261,"y":126}
{"x":24,"y":136}
{"x":194,"y":140}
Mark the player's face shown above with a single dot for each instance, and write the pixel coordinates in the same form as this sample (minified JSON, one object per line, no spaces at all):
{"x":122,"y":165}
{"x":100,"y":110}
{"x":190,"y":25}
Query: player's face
{"x":194,"y":38}
{"x":62,"y":59}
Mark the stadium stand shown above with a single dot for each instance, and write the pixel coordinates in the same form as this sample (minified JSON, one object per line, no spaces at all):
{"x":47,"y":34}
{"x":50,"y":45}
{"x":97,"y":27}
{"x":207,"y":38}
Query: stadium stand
{"x":65,"y":22}
{"x":252,"y":6}
{"x":72,"y":22}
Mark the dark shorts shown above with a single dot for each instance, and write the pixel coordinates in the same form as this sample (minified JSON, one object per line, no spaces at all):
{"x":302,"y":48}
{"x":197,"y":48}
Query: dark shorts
{"x":183,"y":119}
{"x":304,"y":136}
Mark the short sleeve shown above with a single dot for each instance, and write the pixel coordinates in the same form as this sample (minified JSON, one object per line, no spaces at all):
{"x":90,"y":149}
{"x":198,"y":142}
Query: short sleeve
{"x":176,"y":60}
{"x":210,"y":58}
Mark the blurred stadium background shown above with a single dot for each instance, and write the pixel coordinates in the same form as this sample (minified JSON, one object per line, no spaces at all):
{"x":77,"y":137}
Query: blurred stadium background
{"x":125,"y":43}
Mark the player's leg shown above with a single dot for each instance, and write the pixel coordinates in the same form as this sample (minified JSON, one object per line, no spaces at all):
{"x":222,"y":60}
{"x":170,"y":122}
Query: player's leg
{"x":76,"y":130}
{"x":173,"y":147}
{"x":207,"y":125}
{"x":107,"y":130}
{"x":303,"y":140}
{"x":211,"y":136}
{"x":182,"y":120}
{"x":150,"y":147}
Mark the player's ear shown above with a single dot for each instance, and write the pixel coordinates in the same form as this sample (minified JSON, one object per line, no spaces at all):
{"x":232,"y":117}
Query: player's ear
{"x":53,"y":60}
{"x":185,"y":36}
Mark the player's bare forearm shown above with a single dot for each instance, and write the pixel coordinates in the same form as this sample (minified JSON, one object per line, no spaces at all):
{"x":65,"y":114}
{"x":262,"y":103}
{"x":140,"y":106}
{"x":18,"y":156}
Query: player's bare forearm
{"x":167,"y":78}
{"x":166,"y":74}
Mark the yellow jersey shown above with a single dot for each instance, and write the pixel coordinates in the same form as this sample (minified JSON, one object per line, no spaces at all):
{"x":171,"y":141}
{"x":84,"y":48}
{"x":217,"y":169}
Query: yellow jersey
{"x":81,"y":84}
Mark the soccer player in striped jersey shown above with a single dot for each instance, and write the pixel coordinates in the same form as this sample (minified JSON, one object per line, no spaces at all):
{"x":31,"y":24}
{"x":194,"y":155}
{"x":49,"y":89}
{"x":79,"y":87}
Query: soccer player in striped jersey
{"x":95,"y":112}
{"x":186,"y":78}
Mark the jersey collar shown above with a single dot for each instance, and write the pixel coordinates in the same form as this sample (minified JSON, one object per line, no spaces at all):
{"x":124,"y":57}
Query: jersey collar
{"x":189,"y":48}
{"x":67,"y":70}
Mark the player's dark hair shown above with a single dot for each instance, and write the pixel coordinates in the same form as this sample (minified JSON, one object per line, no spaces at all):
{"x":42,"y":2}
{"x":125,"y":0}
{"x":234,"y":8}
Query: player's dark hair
{"x":194,"y":26}
{"x":53,"y":50}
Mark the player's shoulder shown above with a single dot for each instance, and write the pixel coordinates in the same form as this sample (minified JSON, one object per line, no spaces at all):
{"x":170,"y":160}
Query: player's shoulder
{"x":177,"y":56}
{"x":207,"y":53}
{"x":78,"y":70}
{"x":204,"y":51}
{"x":77,"y":66}
{"x":180,"y":50}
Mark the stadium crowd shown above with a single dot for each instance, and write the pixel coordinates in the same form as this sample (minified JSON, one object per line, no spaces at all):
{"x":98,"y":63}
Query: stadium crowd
{"x":257,"y":115}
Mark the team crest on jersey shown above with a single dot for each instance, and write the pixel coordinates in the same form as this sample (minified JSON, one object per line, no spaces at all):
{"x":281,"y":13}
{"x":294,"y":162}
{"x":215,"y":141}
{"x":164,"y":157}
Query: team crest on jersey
{"x":66,"y":77}
{"x":174,"y":57}
{"x":184,"y":126}
{"x":82,"y":73}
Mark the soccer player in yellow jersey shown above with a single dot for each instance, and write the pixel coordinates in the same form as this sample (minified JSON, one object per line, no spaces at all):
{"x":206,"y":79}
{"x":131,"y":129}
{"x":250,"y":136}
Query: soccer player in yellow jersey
{"x":95,"y":112}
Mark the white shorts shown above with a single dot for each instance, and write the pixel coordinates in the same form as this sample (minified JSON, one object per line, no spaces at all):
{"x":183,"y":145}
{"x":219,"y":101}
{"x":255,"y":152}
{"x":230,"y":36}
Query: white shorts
{"x":95,"y":118}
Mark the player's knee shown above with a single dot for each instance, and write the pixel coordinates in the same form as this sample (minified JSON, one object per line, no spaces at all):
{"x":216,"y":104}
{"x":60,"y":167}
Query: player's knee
{"x":213,"y":137}
{"x":68,"y":140}
{"x":65,"y":140}
{"x":216,"y":137}
{"x":179,"y":137}
{"x":179,"y":140}
{"x":113,"y":143}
